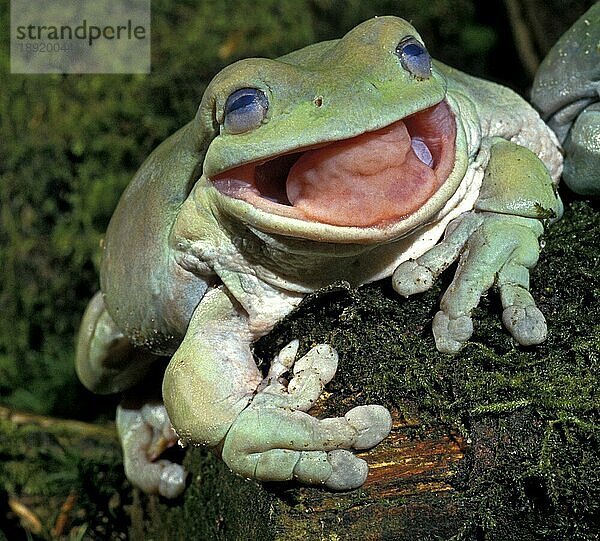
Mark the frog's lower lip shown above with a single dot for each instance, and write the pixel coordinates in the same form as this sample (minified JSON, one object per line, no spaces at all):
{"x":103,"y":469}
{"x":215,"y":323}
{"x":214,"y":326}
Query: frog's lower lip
{"x":373,"y":179}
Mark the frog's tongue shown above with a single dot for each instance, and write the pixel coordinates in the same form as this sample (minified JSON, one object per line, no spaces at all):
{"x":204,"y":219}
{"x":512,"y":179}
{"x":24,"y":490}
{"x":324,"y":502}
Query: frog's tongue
{"x":372,"y":178}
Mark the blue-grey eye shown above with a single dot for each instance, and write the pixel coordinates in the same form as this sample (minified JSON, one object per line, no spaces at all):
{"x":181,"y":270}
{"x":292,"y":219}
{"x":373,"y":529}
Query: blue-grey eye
{"x":245,"y":110}
{"x":414,"y":58}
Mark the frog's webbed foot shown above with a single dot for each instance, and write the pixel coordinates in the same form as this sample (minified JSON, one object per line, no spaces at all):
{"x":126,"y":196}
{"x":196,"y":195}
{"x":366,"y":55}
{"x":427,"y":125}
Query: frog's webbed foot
{"x":273,"y":439}
{"x":493,"y":250}
{"x":499,"y":253}
{"x":145,"y":433}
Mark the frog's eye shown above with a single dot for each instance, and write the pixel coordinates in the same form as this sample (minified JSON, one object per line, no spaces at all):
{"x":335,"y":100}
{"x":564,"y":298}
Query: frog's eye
{"x":245,"y":110}
{"x":414,"y":58}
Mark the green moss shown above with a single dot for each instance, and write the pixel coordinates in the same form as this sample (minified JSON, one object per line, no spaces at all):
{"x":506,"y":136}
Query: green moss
{"x":532,"y":415}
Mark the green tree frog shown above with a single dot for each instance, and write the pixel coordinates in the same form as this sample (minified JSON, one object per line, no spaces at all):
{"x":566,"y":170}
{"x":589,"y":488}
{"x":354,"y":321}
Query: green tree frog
{"x":566,"y":90}
{"x":355,"y":159}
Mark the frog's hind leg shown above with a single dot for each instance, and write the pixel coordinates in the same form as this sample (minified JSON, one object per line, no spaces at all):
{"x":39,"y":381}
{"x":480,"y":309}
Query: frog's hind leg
{"x":145,"y":432}
{"x":107,"y":362}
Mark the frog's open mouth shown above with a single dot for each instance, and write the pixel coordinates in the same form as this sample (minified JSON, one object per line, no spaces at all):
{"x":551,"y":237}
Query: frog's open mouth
{"x":373,"y":179}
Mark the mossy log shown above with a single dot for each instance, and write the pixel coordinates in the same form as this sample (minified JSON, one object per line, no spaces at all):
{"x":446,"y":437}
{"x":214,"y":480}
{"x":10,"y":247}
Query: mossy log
{"x":410,"y":476}
{"x":499,"y":442}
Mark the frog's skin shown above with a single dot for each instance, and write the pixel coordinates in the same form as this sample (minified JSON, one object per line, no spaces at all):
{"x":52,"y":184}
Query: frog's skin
{"x":197,"y":264}
{"x":566,"y":90}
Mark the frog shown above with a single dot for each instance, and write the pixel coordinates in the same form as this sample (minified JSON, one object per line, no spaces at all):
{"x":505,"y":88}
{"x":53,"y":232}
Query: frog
{"x":347,"y":161}
{"x":566,"y":90}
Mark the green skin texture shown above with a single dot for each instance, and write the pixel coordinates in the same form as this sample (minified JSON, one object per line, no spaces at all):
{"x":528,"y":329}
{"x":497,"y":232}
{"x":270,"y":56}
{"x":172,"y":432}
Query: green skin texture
{"x":566,"y":90}
{"x":192,"y":273}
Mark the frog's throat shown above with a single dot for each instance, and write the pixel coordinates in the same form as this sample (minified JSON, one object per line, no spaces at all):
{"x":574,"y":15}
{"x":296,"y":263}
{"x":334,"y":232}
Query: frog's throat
{"x":374,"y":179}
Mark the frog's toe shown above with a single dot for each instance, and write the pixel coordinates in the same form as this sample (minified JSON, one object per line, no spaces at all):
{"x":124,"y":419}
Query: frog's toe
{"x":520,"y":316}
{"x":337,"y":470}
{"x":526,"y":323}
{"x":310,"y":374}
{"x":312,"y":467}
{"x":451,"y":333}
{"x":372,"y":423}
{"x":276,"y":444}
{"x":282,"y":362}
{"x":172,"y":479}
{"x":411,"y":277}
{"x":348,"y":471}
{"x":163,"y":436}
{"x":144,"y":434}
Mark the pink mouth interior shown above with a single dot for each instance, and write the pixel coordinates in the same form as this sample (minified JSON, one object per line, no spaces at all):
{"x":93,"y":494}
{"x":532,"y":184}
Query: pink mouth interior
{"x":372,"y":179}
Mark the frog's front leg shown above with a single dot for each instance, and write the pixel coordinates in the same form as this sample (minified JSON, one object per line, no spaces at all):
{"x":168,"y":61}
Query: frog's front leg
{"x":500,"y":253}
{"x":216,"y":397}
{"x":496,"y":245}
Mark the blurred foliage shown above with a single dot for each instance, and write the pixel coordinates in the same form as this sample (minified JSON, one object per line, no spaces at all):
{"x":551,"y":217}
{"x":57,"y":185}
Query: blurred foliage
{"x":58,"y":477}
{"x":70,"y":143}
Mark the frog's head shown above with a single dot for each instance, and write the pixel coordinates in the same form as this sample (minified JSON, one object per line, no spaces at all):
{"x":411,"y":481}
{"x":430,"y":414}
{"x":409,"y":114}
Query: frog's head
{"x":346,"y":140}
